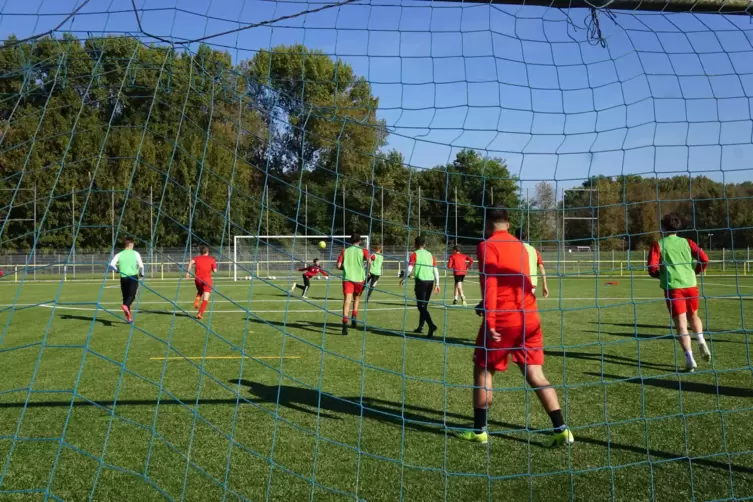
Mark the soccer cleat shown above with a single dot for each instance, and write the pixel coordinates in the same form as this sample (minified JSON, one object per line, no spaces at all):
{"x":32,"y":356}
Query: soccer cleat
{"x":469,"y":435}
{"x":690,"y":366}
{"x":558,"y":439}
{"x":304,"y":296}
{"x":353,"y":323}
{"x":455,"y":301}
{"x":292,"y":288}
{"x":199,"y":317}
{"x":196,"y":303}
{"x":432,"y":330}
{"x":345,"y":329}
{"x":705,"y":352}
{"x":464,"y":302}
{"x":419,"y":330}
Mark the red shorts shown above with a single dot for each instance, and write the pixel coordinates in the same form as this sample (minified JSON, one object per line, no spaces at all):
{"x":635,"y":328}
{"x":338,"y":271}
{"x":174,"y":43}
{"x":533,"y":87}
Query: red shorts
{"x":354,"y":288}
{"x":682,"y":300}
{"x":526,"y":347}
{"x":203,"y":286}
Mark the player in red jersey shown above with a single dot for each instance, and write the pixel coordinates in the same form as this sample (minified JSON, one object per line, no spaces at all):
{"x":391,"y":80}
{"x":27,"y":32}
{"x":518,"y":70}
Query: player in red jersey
{"x":205,"y":267}
{"x":308,"y":273}
{"x":459,"y":264}
{"x":511,"y":327}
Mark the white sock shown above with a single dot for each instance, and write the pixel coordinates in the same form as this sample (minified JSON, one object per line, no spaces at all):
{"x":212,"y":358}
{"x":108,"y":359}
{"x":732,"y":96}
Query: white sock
{"x":699,"y":337}
{"x":689,"y":356}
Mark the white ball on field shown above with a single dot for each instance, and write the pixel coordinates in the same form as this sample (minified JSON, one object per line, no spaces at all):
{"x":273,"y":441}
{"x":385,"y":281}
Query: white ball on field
{"x":322,"y":245}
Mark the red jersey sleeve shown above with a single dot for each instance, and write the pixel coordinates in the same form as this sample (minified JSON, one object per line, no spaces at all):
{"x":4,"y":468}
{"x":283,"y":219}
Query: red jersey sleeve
{"x":451,"y":262}
{"x":700,"y":255}
{"x":325,"y":274}
{"x":468,"y":261}
{"x":412,"y":259}
{"x":214,"y":265}
{"x":539,"y":261}
{"x":340,"y":259}
{"x":489,"y":272}
{"x":433,"y":260}
{"x":654,"y":260}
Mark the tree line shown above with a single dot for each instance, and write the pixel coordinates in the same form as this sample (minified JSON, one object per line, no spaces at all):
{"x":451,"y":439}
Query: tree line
{"x":165,"y":145}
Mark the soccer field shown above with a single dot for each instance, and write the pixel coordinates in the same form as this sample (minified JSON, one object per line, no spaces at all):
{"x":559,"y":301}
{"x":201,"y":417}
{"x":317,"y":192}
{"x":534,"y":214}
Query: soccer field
{"x":265,"y":400}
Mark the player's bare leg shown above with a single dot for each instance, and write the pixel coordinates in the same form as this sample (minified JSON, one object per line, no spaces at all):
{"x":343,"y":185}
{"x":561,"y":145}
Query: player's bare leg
{"x":483,"y":382}
{"x":461,"y":292}
{"x":534,"y":375}
{"x":356,"y":303}
{"x":683,"y":337}
{"x":196,"y":301}
{"x":346,"y":312}
{"x":455,"y":293}
{"x":696,"y":324}
{"x":204,"y":303}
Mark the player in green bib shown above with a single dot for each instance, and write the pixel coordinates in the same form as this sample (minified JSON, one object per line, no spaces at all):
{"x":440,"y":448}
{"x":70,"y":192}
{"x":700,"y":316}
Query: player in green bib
{"x":427,"y":280}
{"x":676,"y":261}
{"x":128,"y":264}
{"x":353,"y":261}
{"x":375,"y":271}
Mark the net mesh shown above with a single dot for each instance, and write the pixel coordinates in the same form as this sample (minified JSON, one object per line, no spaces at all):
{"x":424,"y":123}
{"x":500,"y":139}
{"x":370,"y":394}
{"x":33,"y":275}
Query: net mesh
{"x":182,"y":125}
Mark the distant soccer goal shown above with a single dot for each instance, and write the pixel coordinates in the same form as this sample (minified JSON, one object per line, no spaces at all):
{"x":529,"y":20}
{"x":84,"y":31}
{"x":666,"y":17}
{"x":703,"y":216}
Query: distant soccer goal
{"x":278,"y":256}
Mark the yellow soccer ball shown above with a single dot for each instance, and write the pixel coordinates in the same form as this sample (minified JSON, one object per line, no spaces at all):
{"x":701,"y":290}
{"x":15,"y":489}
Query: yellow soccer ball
{"x":322,"y":245}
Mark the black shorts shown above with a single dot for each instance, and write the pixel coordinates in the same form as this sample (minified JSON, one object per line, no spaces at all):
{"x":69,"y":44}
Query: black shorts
{"x":373,"y":279}
{"x":459,"y":279}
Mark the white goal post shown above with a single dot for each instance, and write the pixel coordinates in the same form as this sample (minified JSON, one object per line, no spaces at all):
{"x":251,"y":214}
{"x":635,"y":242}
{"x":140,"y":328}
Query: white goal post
{"x":260,"y":259}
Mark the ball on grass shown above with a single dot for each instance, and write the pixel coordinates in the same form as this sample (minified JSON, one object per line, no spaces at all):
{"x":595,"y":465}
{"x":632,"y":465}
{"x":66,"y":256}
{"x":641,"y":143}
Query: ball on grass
{"x":322,"y":245}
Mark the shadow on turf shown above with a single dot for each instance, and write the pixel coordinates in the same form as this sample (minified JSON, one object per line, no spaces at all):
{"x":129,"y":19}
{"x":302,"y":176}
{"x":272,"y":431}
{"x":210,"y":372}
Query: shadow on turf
{"x":335,"y":328}
{"x":171,"y":313}
{"x":104,"y":322}
{"x":668,"y":335}
{"x":685,"y":385}
{"x":609,"y":359}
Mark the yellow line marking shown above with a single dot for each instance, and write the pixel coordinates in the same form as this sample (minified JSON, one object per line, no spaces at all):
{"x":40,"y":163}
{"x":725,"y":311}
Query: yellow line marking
{"x":178,"y":358}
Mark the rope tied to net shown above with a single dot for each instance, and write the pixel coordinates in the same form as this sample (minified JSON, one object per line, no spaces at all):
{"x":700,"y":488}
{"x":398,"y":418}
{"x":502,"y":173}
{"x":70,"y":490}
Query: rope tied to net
{"x":593,"y":26}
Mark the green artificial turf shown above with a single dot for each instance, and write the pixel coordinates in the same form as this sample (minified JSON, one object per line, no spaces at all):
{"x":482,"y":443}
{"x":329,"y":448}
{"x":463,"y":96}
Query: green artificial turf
{"x":90,"y":407}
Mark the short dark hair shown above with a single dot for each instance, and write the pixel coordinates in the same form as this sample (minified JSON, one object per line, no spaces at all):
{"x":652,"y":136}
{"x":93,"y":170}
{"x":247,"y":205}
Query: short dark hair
{"x":456,"y":248}
{"x":420,"y":241}
{"x":496,"y":215}
{"x":355,"y":238}
{"x":203,"y":250}
{"x":671,"y":223}
{"x":316,"y":260}
{"x":128,"y":241}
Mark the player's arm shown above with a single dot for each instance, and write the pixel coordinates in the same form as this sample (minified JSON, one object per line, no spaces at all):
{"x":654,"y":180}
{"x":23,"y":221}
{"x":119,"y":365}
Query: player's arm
{"x":140,"y":264}
{"x":700,"y":255}
{"x":468,"y":262}
{"x":654,"y":260}
{"x":114,"y":262}
{"x":340,"y":260}
{"x":214,"y":266}
{"x":436,"y":275}
{"x":411,"y":265}
{"x":542,"y":273}
{"x":188,"y":268}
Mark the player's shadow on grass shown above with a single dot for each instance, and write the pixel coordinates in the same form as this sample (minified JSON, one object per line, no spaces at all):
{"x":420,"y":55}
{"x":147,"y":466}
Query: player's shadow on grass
{"x":684,"y":385}
{"x":609,"y":359}
{"x":335,"y":328}
{"x":668,"y":335}
{"x":104,"y":322}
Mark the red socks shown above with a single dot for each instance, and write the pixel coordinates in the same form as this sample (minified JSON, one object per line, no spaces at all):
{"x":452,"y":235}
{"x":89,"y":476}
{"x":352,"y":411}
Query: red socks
{"x":203,"y":307}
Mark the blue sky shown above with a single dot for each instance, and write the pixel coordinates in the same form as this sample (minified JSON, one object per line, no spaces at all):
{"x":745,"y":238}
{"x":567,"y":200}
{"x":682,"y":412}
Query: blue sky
{"x":669,"y":94}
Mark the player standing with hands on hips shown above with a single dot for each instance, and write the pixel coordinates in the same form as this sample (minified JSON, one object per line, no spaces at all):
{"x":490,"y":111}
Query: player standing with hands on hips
{"x":205,"y":267}
{"x":128,"y":264}
{"x":353,"y":261}
{"x":427,"y":279}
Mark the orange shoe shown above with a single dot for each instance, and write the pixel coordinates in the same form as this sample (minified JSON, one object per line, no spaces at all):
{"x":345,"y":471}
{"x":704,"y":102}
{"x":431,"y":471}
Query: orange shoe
{"x":196,"y":303}
{"x":199,"y":317}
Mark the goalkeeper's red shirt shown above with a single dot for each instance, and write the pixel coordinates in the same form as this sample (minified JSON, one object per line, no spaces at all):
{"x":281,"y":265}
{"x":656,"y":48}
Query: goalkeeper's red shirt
{"x":205,"y":266}
{"x":506,"y":286}
{"x":312,"y":270}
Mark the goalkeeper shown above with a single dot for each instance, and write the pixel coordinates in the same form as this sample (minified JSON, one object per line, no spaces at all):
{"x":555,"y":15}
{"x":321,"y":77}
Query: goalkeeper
{"x":308,"y":273}
{"x":128,"y":264}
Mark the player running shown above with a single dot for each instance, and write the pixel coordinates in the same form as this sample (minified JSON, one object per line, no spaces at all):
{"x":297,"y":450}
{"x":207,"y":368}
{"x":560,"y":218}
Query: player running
{"x":308,"y":273}
{"x":676,"y":261}
{"x":511,"y":326}
{"x":128,"y":264}
{"x":205,"y":267}
{"x":459,"y":264}
{"x":375,"y":270}
{"x":427,"y":279}
{"x":353,"y":261}
{"x":534,"y":262}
